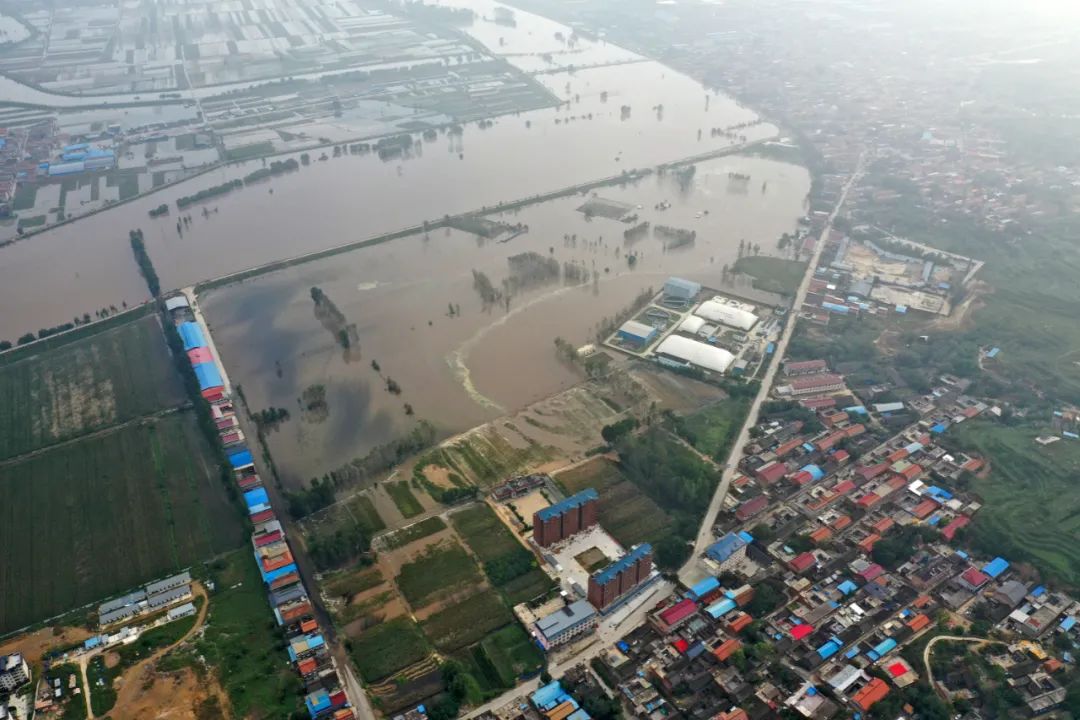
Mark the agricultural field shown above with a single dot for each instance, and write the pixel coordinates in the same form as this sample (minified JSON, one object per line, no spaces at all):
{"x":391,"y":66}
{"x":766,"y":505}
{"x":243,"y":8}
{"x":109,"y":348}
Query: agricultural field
{"x":388,"y":648}
{"x":772,"y":274}
{"x":412,"y":533}
{"x":626,"y":513}
{"x":513,"y":653}
{"x":85,"y":385}
{"x":97,"y":516}
{"x":509,"y":566}
{"x":467,"y":622}
{"x":403,"y":498}
{"x":1027,"y":515}
{"x":442,"y":570}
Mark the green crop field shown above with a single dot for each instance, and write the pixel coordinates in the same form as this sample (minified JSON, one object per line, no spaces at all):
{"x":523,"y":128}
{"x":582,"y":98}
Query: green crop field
{"x":403,"y":498}
{"x":387,"y":648}
{"x":628,"y":514}
{"x":468,"y":621}
{"x":97,"y":516}
{"x":91,"y":383}
{"x":484,"y":532}
{"x":412,"y":533}
{"x":442,"y":570}
{"x":512,"y":653}
{"x":525,"y":587}
{"x":1032,"y":510}
{"x":772,"y":274}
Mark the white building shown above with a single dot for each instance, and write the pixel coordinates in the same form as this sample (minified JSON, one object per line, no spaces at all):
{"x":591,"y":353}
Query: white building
{"x":566,"y":623}
{"x":699,"y":354}
{"x":14,"y":672}
{"x":728,"y":312}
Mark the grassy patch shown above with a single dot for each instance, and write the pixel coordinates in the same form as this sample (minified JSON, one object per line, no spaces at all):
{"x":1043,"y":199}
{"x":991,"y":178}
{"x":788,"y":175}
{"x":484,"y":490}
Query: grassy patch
{"x":34,"y":221}
{"x":25,"y":196}
{"x":403,"y":498}
{"x":592,"y":560}
{"x":155,"y":639}
{"x":362,"y":509}
{"x":468,"y":621}
{"x":387,"y":648}
{"x":242,"y":643}
{"x":513,"y":653}
{"x":185,"y":141}
{"x":772,"y":274}
{"x":1031,"y":511}
{"x":414,"y":532}
{"x":713,"y":430}
{"x":442,"y":570}
{"x":103,"y":695}
{"x":527,"y":587}
{"x":98,"y":516}
{"x":250,"y":151}
{"x":85,"y":385}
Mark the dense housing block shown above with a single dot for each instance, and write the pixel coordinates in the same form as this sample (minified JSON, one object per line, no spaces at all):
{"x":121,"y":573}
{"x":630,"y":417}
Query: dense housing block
{"x":621,"y":577}
{"x":563,"y":519}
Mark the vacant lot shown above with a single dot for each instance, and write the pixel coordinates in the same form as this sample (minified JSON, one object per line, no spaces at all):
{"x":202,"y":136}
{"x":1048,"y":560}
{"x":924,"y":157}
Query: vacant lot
{"x":97,"y":516}
{"x":484,"y":532}
{"x":1031,"y":510}
{"x":713,"y":429}
{"x":626,"y":512}
{"x":773,"y":274}
{"x":441,"y":570}
{"x":388,"y":648}
{"x":85,"y":385}
{"x":468,"y":621}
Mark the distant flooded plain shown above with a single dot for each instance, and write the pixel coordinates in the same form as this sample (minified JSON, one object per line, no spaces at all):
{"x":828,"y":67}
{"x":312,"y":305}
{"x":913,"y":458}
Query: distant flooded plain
{"x":458,"y":370}
{"x":614,"y":118}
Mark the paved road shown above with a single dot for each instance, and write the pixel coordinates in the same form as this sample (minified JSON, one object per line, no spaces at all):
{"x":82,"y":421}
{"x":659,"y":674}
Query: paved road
{"x":694,"y":570}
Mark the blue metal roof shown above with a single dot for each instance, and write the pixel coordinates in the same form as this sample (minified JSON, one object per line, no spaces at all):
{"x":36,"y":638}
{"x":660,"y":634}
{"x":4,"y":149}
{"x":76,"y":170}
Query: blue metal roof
{"x":939,"y":428}
{"x":884,"y":646}
{"x":746,"y":536}
{"x":1067,"y":623}
{"x":913,"y":447}
{"x":574,"y":501}
{"x":612,"y":571}
{"x":725,"y":547}
{"x":996,"y":566}
{"x":256,"y":497}
{"x":721,"y":608}
{"x":241,"y":459}
{"x":1038,"y":591}
{"x":704,"y":587}
{"x":280,"y":572}
{"x":548,"y":696}
{"x":847,"y":587}
{"x":208,"y":375}
{"x":815,"y":472}
{"x":993,"y":352}
{"x":191,"y":334}
{"x":830,"y":648}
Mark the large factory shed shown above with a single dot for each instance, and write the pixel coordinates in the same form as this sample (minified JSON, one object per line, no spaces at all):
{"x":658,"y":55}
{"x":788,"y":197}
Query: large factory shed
{"x":730,"y":315}
{"x":707,"y":357}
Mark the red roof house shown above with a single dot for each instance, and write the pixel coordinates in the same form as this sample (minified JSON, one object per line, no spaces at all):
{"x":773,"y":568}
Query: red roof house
{"x":802,"y":563}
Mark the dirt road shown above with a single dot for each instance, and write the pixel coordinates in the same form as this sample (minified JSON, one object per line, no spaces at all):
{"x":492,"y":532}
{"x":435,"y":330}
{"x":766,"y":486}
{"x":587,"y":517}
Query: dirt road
{"x":955,"y":638}
{"x":128,"y":693}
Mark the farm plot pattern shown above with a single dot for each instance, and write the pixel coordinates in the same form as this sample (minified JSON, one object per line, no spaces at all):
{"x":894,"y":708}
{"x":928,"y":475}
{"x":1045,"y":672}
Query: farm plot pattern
{"x":97,"y":516}
{"x":92,"y":383}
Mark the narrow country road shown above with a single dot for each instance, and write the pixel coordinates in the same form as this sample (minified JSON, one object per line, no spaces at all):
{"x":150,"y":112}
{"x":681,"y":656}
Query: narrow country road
{"x":693,"y":570}
{"x":955,"y":638}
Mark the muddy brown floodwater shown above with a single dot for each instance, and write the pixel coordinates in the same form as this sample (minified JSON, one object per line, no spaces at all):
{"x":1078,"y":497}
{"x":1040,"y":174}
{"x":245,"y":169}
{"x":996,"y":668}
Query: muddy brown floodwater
{"x":463,"y":370}
{"x":50,"y":277}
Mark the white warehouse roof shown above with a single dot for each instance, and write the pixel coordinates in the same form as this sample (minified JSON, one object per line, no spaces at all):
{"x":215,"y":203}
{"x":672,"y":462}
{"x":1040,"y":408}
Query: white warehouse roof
{"x":692,"y":324}
{"x":730,"y":315}
{"x":708,"y":357}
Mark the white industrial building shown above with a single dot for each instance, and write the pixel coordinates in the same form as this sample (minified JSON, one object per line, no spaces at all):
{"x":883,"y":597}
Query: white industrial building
{"x":702,"y":355}
{"x":692,"y":324}
{"x":727,"y":312}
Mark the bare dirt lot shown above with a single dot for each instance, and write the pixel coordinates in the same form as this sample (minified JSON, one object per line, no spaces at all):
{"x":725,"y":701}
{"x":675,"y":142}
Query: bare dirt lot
{"x":34,"y":645}
{"x":527,"y":505}
{"x":180,"y":695}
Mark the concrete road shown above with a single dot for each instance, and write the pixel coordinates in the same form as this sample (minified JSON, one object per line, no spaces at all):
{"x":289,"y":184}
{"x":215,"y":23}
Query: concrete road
{"x":694,"y":570}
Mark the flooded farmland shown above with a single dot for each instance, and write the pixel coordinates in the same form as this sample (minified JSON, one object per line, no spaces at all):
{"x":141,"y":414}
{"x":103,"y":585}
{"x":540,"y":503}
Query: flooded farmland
{"x":615,"y":118}
{"x":458,"y":370}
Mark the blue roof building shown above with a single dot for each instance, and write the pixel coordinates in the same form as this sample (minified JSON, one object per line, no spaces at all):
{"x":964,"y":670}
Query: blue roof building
{"x":830,"y":648}
{"x":703,"y":588}
{"x":996,"y":566}
{"x":681,"y":289}
{"x":721,"y":608}
{"x":815,"y":472}
{"x":570,"y":503}
{"x":628,"y":560}
{"x":208,"y":375}
{"x":191,"y":334}
{"x":725,"y":547}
